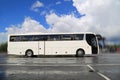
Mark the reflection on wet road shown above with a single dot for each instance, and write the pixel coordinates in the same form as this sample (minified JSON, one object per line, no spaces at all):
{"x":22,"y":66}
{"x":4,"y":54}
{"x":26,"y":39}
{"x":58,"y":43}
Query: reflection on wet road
{"x":100,"y":67}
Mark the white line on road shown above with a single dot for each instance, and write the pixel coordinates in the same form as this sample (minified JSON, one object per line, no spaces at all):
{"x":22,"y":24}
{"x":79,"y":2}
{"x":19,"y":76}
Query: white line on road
{"x":105,"y":77}
{"x":91,"y":67}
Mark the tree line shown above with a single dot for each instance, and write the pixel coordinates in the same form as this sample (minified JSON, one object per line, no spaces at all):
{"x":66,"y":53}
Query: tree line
{"x":3,"y":47}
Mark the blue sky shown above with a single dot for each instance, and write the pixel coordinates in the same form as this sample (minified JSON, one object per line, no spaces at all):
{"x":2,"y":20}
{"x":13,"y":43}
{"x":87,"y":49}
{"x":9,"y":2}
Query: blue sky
{"x":14,"y":11}
{"x":25,"y":16}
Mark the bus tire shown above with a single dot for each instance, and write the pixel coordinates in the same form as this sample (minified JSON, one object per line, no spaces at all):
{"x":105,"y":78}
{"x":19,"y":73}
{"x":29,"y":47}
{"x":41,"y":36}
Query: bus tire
{"x":80,"y":53}
{"x":29,"y":53}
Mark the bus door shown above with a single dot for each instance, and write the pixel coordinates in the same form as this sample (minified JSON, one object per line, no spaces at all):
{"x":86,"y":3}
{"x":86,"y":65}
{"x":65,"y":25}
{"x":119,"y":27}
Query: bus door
{"x":41,"y":44}
{"x":91,"y":40}
{"x":41,"y":48}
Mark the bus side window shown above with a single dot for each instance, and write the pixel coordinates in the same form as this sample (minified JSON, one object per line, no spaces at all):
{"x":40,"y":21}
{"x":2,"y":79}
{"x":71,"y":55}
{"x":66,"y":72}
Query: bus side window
{"x":18,"y":38}
{"x":79,"y":36}
{"x":36,"y":37}
{"x":54,"y":37}
{"x":40,"y":37}
{"x":45,"y":37}
{"x":27,"y":38}
{"x":72,"y":37}
{"x":15,"y":38}
{"x":66,"y":37}
{"x":24,"y":38}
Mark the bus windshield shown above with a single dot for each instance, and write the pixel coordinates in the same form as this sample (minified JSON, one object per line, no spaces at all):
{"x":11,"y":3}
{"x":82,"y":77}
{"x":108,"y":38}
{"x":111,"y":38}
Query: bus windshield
{"x":91,"y":40}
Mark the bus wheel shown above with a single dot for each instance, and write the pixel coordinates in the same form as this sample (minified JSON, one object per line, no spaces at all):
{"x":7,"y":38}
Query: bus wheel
{"x":29,"y":53}
{"x":80,"y":53}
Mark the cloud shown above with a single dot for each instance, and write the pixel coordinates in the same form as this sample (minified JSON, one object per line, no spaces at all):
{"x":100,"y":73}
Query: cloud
{"x":35,"y":6}
{"x":102,"y":16}
{"x":58,"y":2}
{"x":64,"y":23}
{"x":28,"y":26}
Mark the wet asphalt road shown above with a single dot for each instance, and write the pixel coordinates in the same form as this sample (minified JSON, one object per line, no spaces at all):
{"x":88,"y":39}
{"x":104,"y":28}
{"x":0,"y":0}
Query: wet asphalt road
{"x":100,"y":67}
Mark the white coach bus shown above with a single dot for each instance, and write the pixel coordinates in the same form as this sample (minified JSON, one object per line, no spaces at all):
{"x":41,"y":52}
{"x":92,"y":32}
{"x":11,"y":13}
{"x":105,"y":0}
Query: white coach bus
{"x":78,"y":44}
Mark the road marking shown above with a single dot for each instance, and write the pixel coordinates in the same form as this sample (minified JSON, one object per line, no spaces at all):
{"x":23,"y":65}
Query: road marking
{"x":91,"y":67}
{"x":105,"y":77}
{"x":100,"y":74}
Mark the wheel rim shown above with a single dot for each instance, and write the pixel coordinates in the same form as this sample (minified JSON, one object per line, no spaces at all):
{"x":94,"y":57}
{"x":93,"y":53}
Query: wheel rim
{"x":29,"y":53}
{"x":80,"y":53}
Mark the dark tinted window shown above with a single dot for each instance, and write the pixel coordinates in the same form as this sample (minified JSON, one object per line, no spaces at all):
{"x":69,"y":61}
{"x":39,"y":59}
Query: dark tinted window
{"x":47,"y":37}
{"x":40,"y":37}
{"x":66,"y":37}
{"x":79,"y":36}
{"x":15,"y":38}
{"x":91,"y":40}
{"x":54,"y":37}
{"x":27,"y":38}
{"x":12,"y":38}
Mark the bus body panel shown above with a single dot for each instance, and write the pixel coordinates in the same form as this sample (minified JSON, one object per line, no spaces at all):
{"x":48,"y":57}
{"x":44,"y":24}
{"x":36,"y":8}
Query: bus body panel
{"x":49,"y":47}
{"x":66,"y":47}
{"x":19,"y":48}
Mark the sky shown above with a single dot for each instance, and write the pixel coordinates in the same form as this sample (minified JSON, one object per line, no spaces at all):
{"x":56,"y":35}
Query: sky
{"x":31,"y":16}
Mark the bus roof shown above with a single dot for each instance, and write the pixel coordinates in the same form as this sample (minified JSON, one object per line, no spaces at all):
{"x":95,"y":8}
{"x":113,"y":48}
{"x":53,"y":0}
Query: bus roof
{"x":53,"y":33}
